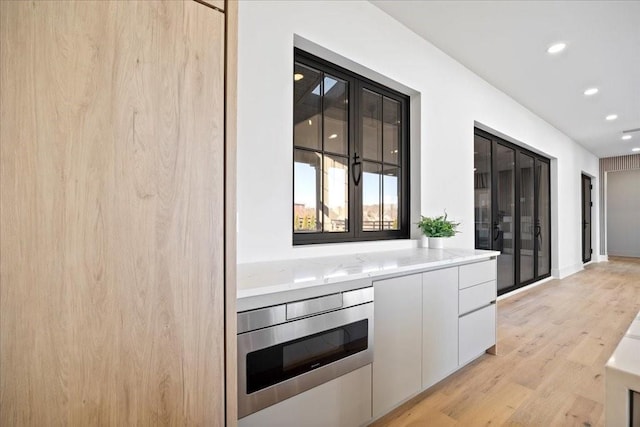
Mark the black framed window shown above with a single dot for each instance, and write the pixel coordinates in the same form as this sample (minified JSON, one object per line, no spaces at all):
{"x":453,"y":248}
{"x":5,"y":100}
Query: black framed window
{"x":350,"y":156}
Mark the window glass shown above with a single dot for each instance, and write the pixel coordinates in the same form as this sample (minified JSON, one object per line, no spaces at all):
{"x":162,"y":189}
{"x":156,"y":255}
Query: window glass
{"x":371,"y":125}
{"x":391,"y":131}
{"x":371,"y":195}
{"x":336,"y":113}
{"x":306,"y":198}
{"x":350,"y":155}
{"x":307,"y":119}
{"x":390,"y":185}
{"x":336,"y":194}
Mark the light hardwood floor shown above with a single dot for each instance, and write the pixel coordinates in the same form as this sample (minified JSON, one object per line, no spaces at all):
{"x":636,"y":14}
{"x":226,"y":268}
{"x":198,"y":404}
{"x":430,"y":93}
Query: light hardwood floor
{"x":553,"y":343}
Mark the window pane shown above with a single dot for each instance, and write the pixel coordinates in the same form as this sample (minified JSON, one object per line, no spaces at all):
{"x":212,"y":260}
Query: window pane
{"x":371,"y":188}
{"x":307,"y":182}
{"x":336,"y":193}
{"x":336,"y":116}
{"x":371,"y":125}
{"x":390,"y":198}
{"x":391,"y":131}
{"x":307,"y":107}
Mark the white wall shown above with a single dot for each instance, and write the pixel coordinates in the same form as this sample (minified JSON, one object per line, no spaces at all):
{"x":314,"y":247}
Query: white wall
{"x":449,"y":100}
{"x":623,"y":205}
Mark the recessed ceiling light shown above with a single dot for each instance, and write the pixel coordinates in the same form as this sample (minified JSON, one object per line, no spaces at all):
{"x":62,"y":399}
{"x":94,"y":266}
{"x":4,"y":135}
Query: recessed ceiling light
{"x":611,"y":117}
{"x":298,"y":76}
{"x":556,"y":48}
{"x":591,"y":91}
{"x":635,"y":149}
{"x":626,"y":137}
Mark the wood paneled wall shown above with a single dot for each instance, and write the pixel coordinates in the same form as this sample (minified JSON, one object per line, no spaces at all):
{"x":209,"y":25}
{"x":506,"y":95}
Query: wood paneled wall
{"x":612,"y":164}
{"x":112,"y":209}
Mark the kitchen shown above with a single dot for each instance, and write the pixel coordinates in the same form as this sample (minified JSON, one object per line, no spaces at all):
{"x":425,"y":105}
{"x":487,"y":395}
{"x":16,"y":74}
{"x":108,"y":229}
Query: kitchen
{"x":136,"y":295}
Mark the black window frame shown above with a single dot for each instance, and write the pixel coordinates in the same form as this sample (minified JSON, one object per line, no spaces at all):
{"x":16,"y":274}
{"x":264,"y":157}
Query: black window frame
{"x":356,"y":83}
{"x":538,"y":158}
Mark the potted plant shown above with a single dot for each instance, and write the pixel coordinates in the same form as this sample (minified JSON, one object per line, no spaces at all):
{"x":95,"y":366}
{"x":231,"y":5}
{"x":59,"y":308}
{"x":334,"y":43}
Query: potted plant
{"x":437,"y":229}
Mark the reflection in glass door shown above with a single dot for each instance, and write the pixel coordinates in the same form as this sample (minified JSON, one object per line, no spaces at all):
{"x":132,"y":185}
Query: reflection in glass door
{"x":503,"y":216}
{"x":543,"y":219}
{"x":526,"y":217}
{"x":482,"y":193}
{"x":586,"y":218}
{"x":512,"y":210}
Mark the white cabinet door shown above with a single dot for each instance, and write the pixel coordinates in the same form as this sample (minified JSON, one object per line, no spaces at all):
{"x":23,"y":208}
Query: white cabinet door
{"x":439,"y":325}
{"x":477,"y":333}
{"x":397,"y":346}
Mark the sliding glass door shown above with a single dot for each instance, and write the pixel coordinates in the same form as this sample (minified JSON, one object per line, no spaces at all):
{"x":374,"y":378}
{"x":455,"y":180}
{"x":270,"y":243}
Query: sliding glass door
{"x":512,"y":209}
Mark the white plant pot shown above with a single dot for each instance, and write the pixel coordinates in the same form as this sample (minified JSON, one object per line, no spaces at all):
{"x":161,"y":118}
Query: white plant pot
{"x":436,"y":242}
{"x":424,"y":242}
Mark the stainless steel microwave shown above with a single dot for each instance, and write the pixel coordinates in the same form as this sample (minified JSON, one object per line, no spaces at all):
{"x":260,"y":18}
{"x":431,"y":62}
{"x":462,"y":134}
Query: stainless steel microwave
{"x":286,"y":349}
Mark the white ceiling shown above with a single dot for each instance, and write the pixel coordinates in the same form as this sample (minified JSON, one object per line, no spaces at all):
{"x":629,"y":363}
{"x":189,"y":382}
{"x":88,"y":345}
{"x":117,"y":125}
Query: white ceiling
{"x":505,"y":43}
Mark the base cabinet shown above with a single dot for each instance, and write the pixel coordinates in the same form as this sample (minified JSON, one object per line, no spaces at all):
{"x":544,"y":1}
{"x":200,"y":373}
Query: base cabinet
{"x":477,"y":333}
{"x":342,"y":402}
{"x":428,"y":325}
{"x":397,"y":339}
{"x":439,"y":325}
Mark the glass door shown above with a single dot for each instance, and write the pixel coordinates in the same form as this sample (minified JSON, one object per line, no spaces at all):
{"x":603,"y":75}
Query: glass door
{"x":503,"y":214}
{"x":527,"y":218}
{"x":482,"y":193}
{"x":586,"y":218}
{"x":543,"y":219}
{"x":512,"y":209}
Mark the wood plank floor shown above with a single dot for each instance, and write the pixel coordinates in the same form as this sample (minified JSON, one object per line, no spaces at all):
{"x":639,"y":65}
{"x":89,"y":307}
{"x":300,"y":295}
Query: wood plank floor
{"x":553,"y":343}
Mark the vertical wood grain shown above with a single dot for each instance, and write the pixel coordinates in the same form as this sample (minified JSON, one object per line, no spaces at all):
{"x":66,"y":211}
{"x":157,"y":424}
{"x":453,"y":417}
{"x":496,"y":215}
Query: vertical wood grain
{"x":218,"y":4}
{"x":231,"y":92}
{"x":112,"y":213}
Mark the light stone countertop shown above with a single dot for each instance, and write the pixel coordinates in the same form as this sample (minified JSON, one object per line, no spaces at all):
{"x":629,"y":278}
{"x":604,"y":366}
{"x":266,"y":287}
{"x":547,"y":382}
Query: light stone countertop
{"x":622,"y":373}
{"x":268,"y":283}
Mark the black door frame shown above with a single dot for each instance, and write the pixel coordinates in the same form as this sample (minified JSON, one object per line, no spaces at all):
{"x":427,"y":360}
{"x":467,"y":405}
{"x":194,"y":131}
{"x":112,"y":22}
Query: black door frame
{"x":586,"y":224}
{"x":516,"y":211}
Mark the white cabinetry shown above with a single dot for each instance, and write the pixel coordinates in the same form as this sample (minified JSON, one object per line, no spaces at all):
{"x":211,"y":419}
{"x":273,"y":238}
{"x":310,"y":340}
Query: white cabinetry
{"x":342,"y":402}
{"x":398,"y":345}
{"x":477,"y":308}
{"x":428,"y":325}
{"x":439,"y":324}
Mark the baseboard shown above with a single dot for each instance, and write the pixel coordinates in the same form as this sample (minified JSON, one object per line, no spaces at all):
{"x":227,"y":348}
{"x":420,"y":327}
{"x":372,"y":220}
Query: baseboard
{"x":524,"y":288}
{"x":626,"y":254}
{"x":603,"y":258}
{"x":561,"y":273}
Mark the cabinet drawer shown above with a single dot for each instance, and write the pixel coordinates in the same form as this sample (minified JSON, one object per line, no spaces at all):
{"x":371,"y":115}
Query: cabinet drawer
{"x":479,"y":272}
{"x":476,"y":296}
{"x":477,"y":332}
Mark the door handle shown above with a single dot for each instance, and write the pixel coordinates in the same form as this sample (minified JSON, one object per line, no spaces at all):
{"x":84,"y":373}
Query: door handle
{"x":496,"y":230}
{"x":357,"y":164}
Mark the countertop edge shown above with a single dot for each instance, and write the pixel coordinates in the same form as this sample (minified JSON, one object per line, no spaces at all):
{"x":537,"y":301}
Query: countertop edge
{"x":253,"y":298}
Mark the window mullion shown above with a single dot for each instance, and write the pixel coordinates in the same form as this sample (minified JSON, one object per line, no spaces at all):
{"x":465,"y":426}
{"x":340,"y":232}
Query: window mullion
{"x":355,"y":145}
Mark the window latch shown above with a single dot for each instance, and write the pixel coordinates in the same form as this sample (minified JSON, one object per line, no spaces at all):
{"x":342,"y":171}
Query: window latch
{"x":357,"y":164}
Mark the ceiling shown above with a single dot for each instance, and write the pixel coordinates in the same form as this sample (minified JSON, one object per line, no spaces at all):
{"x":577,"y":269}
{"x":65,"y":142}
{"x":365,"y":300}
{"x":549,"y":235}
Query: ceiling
{"x":505,"y":42}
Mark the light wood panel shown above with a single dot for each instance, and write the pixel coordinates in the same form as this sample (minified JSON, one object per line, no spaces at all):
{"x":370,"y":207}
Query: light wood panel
{"x":554,"y":342}
{"x":231,"y":52}
{"x":112,"y":213}
{"x":219,"y":4}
